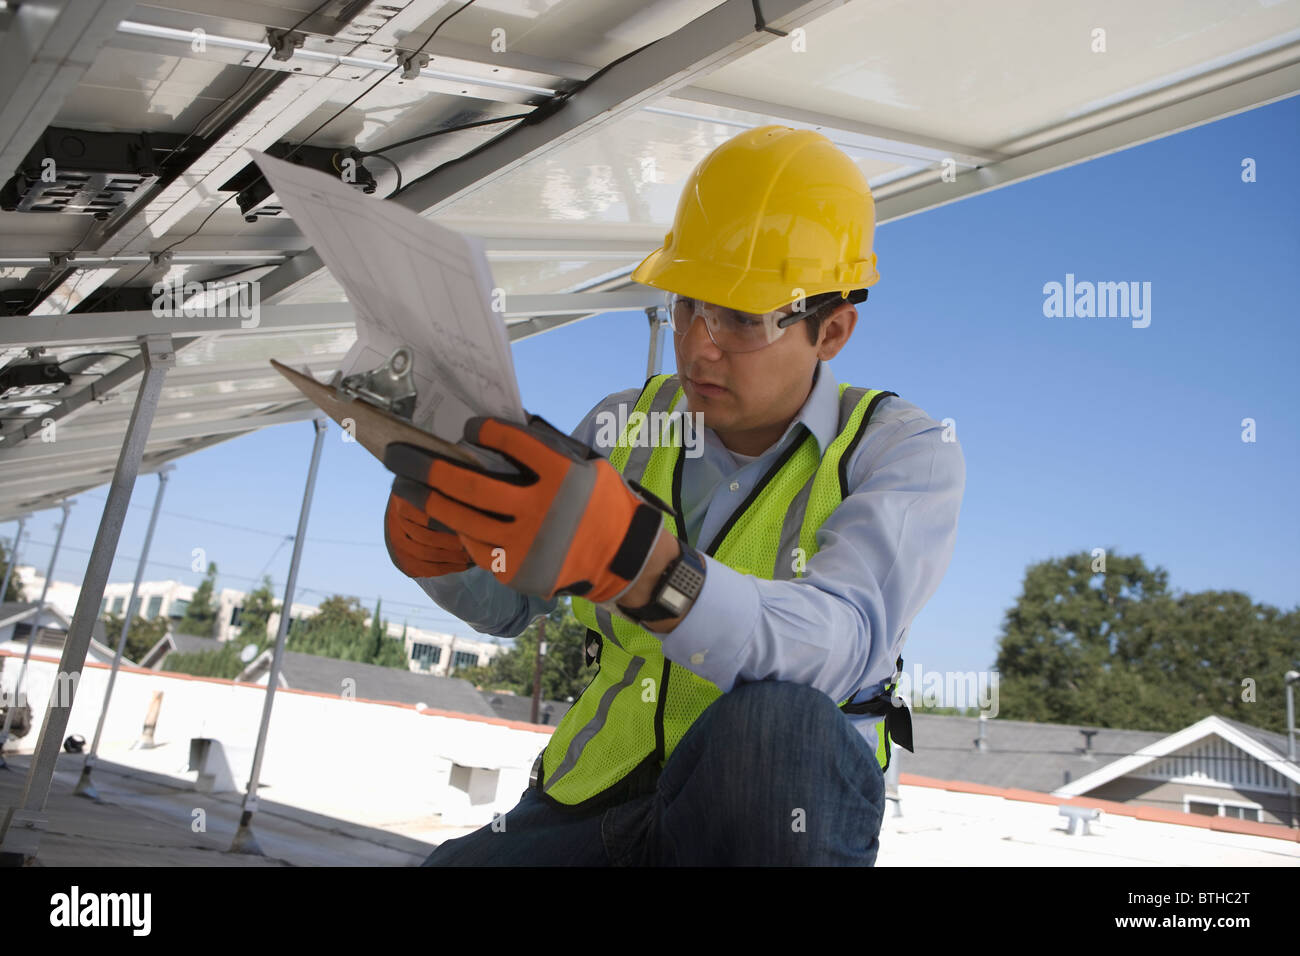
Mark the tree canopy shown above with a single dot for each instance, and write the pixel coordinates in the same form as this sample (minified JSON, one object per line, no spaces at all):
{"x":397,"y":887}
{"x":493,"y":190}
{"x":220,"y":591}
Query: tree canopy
{"x":200,"y":617}
{"x":1099,"y":639}
{"x":564,"y":670}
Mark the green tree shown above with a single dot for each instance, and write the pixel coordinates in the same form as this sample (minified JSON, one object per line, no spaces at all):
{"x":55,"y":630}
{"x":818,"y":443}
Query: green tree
{"x":14,"y":592}
{"x":384,"y":650}
{"x":259,"y":605}
{"x":201,"y":615}
{"x":564,"y":670}
{"x":339,"y":630}
{"x":144,"y":634}
{"x":1116,"y":649}
{"x":223,"y":662}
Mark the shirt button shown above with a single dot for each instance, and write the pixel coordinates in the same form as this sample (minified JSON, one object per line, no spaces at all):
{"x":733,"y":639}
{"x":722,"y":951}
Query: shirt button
{"x":735,"y":486}
{"x":697,"y":658}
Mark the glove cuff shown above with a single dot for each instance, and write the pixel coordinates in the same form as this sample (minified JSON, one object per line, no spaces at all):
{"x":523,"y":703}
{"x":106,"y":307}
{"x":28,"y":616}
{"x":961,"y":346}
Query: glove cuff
{"x":638,"y":545}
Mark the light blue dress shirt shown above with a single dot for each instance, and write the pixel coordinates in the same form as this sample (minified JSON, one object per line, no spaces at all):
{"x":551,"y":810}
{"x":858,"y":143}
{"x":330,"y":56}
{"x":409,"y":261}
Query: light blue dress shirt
{"x":841,"y":627}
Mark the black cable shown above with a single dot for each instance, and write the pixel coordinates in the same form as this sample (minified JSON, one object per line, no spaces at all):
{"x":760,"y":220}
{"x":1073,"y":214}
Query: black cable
{"x":238,"y":272}
{"x":397,"y":169}
{"x":440,"y":132}
{"x":396,"y":67}
{"x":54,"y":273}
{"x":251,"y":75}
{"x":761,"y":27}
{"x":89,"y":354}
{"x":536,"y":116}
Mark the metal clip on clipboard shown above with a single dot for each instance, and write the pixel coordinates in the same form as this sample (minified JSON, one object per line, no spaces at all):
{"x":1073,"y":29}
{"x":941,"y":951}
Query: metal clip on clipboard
{"x":375,"y":408}
{"x":390,"y":386}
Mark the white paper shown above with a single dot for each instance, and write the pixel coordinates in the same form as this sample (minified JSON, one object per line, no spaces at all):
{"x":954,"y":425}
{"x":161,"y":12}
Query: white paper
{"x":413,"y":283}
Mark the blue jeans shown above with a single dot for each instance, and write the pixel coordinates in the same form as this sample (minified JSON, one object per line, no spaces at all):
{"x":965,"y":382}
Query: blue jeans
{"x":771,"y":773}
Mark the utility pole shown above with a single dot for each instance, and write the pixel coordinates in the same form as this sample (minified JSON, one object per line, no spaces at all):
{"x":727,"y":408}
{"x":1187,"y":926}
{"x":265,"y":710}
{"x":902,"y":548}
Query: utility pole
{"x":537,"y":669}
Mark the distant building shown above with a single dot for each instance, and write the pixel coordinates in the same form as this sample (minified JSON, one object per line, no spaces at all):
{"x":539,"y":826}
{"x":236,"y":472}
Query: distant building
{"x":1215,"y":767}
{"x":18,"y":618}
{"x":427,"y":652}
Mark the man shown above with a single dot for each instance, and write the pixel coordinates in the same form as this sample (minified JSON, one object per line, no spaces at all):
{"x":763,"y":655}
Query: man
{"x":747,"y":607}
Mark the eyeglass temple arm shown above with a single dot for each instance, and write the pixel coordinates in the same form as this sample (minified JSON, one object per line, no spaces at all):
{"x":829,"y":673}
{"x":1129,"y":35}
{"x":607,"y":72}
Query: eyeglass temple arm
{"x":856,"y":296}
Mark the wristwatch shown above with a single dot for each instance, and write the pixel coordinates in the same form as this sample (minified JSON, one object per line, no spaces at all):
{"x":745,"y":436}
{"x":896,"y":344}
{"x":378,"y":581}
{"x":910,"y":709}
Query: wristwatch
{"x":676,"y":591}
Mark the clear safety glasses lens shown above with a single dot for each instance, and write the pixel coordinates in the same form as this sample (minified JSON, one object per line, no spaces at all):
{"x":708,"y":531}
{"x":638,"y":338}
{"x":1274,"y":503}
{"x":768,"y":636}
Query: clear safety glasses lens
{"x":730,"y":329}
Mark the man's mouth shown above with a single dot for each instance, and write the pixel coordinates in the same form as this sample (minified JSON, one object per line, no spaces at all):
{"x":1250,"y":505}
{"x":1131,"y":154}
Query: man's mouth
{"x":705,"y":388}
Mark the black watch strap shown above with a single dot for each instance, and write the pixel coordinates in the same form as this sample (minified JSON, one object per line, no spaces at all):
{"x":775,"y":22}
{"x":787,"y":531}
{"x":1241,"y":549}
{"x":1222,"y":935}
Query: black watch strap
{"x":676,"y":591}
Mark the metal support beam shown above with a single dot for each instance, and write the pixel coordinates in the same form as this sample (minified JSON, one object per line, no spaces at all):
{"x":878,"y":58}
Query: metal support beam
{"x":245,"y":841}
{"x":888,"y":145}
{"x":17,"y":700}
{"x":85,"y":786}
{"x":1203,"y":99}
{"x":46,"y":50}
{"x":21,"y":827}
{"x":98,"y":443}
{"x":105,"y":328}
{"x":722,"y":35}
{"x":70,"y":405}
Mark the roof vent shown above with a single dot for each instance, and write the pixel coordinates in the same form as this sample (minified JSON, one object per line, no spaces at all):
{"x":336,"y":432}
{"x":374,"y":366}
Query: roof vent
{"x":1086,"y":749}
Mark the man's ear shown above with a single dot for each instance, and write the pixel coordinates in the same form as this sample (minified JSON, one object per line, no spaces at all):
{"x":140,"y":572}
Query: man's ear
{"x":835,"y":330}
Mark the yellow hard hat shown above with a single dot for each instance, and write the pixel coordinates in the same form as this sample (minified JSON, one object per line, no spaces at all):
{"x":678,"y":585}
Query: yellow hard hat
{"x":769,"y":216}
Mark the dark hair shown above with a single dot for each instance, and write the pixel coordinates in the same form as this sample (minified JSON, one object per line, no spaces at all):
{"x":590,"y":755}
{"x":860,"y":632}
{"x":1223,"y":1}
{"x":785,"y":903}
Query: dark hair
{"x":813,"y":323}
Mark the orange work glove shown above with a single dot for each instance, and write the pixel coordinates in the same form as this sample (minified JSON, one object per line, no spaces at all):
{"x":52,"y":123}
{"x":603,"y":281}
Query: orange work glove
{"x":567,"y":523}
{"x":420,"y":546}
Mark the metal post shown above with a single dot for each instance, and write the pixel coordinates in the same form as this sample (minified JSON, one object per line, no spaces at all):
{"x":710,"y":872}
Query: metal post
{"x":31,"y":636}
{"x":655,"y":358}
{"x":1291,"y":678}
{"x":13,"y":558}
{"x":537,"y":668}
{"x":85,"y":787}
{"x":21,"y":827}
{"x":245,"y":841}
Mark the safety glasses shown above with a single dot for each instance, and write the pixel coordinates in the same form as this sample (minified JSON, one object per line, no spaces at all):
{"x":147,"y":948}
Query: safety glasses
{"x":732,"y":330}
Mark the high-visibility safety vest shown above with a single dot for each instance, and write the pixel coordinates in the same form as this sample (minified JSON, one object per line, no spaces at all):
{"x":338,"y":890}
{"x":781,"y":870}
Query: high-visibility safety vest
{"x":639,"y":705}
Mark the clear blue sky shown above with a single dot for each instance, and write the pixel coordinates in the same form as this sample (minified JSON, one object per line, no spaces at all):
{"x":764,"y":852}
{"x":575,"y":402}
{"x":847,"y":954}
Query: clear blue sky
{"x":1077,"y":432}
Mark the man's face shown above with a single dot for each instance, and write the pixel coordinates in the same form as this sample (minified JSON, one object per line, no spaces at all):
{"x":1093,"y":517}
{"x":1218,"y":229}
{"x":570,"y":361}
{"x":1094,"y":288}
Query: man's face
{"x":757,"y":393}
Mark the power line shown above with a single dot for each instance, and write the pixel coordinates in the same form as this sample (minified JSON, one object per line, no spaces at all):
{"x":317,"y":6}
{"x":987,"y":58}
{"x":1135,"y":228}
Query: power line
{"x":245,"y":528}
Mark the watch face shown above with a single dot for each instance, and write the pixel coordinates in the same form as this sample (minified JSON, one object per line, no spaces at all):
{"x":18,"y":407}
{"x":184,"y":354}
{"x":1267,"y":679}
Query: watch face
{"x":674,"y":599}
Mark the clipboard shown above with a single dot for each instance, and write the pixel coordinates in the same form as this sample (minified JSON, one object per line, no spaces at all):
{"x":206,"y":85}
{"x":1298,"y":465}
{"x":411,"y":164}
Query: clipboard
{"x":373,"y":427}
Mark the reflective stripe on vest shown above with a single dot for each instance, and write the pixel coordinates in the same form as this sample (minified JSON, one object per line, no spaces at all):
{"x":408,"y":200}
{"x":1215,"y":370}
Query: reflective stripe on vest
{"x":639,"y":705}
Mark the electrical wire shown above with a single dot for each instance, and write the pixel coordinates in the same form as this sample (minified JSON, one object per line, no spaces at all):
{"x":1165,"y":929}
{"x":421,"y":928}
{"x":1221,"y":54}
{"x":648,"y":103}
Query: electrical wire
{"x":251,"y":75}
{"x":379,"y":153}
{"x":536,"y":116}
{"x":397,"y":169}
{"x":54,"y":273}
{"x":89,"y":354}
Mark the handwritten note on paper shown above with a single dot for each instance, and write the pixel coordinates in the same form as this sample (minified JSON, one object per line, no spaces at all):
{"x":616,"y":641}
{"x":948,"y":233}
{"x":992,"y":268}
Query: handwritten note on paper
{"x":414,"y":283}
